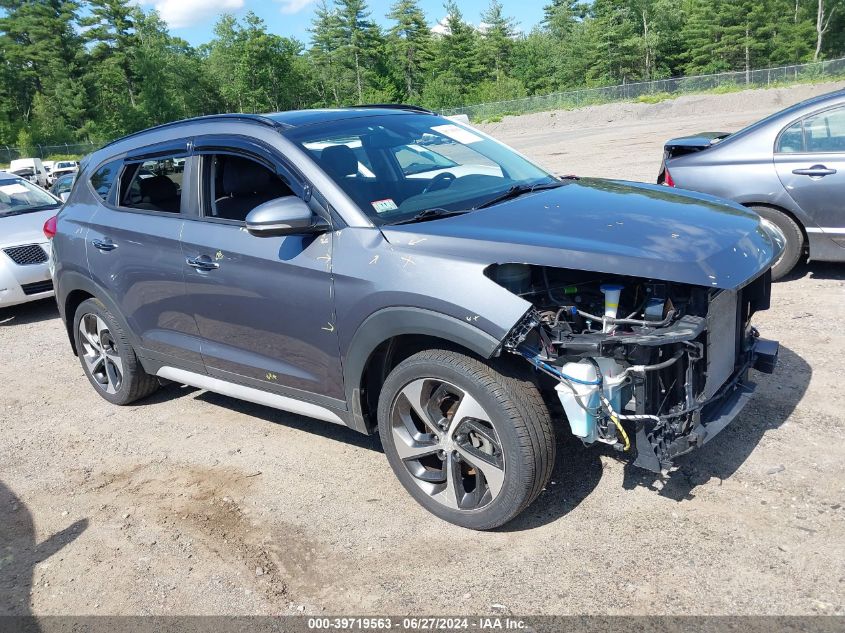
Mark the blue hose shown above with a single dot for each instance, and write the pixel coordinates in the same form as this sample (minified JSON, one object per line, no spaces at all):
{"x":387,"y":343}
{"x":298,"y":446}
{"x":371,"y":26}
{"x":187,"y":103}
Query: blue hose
{"x":553,"y":370}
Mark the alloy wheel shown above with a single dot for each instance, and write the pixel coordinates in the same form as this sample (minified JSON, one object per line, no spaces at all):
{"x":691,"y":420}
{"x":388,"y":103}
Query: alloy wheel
{"x":447,"y":442}
{"x":100,"y":353}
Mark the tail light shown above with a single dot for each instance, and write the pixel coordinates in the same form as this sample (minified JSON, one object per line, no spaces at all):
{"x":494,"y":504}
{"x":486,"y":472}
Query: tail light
{"x":667,"y":178}
{"x":50,"y":227}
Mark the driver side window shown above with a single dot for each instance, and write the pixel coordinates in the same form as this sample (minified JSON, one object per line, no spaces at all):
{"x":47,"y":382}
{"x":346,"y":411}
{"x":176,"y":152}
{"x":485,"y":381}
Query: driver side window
{"x":234,"y":185}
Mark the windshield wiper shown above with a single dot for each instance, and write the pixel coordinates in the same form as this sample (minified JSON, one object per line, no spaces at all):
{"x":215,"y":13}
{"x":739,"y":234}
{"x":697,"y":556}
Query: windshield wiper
{"x":518,"y":190}
{"x":429,"y":214}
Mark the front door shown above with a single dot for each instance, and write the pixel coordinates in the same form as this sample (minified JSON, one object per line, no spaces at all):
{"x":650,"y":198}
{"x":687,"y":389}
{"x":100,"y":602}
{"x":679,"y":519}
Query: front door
{"x":263,"y":305}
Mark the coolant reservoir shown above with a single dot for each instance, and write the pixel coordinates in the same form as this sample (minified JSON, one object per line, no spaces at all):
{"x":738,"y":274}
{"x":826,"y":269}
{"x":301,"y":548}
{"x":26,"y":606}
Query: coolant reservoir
{"x":582,"y":403}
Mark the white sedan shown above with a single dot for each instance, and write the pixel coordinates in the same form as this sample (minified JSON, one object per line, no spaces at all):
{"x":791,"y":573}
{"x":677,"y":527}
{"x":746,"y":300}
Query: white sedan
{"x":24,"y":249}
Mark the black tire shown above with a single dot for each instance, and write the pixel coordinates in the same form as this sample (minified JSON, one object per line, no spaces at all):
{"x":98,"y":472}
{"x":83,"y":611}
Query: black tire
{"x":523,"y":438}
{"x":114,"y":357}
{"x":794,"y":248}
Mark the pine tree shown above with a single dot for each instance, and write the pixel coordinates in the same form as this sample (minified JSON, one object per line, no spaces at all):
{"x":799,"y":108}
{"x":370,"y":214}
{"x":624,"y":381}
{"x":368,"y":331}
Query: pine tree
{"x":457,"y":54}
{"x":409,"y":45}
{"x":497,"y":39}
{"x":44,"y":56}
{"x":361,"y":43}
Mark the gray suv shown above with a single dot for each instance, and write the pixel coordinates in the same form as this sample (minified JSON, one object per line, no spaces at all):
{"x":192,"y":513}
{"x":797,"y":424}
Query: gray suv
{"x":397,"y":272}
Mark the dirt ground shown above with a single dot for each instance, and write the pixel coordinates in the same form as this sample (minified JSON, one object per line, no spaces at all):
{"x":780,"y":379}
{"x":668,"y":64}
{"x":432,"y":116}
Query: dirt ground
{"x":193,"y":503}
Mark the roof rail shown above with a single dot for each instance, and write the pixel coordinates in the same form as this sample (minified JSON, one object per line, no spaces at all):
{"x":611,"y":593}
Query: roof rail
{"x":393,"y":106}
{"x":256,"y":118}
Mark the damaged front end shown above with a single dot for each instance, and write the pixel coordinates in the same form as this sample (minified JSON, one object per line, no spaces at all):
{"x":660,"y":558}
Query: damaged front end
{"x":645,"y":365}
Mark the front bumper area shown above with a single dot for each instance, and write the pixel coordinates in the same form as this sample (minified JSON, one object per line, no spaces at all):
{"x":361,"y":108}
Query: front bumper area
{"x":655,"y":453}
{"x":22,"y":284}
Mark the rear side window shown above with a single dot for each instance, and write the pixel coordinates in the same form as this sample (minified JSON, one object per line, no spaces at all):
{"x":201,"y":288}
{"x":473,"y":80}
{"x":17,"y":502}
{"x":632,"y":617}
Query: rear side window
{"x":821,"y":133}
{"x":825,"y":132}
{"x":153,"y":185}
{"x":104,"y":178}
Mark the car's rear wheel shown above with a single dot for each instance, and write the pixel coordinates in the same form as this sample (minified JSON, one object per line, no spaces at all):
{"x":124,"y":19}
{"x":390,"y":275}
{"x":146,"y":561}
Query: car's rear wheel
{"x":793,"y":249}
{"x":107,"y":358}
{"x":473,"y":445}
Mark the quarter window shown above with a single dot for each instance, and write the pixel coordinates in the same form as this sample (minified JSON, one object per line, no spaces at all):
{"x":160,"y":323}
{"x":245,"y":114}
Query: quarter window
{"x":153,"y":185}
{"x":104,"y":178}
{"x":792,"y":139}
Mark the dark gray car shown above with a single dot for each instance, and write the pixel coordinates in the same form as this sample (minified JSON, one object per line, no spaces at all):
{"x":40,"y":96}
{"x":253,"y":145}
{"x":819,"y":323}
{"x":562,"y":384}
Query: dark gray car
{"x":394,"y":271}
{"x":789,"y":168}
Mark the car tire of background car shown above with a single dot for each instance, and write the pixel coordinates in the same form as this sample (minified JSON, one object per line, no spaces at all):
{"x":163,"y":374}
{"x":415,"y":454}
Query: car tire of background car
{"x":471,"y":441}
{"x":794,"y":247}
{"x":107,"y":358}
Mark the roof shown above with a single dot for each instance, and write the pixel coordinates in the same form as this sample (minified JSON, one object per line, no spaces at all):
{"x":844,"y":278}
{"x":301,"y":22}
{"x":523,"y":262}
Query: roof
{"x":289,"y":119}
{"x":297,"y":118}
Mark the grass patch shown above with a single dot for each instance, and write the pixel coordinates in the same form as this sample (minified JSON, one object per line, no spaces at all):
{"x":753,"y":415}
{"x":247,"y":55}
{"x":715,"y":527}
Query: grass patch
{"x":656,"y":97}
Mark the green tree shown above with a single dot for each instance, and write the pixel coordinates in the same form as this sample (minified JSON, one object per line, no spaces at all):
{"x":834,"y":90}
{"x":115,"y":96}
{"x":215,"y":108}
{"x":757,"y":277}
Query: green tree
{"x":497,"y":40}
{"x":409,"y":47}
{"x":44,"y":55}
{"x":255,"y":71}
{"x":456,"y":64}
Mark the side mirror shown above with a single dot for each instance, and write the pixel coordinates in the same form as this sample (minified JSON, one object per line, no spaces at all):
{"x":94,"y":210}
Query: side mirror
{"x":64,"y":195}
{"x":288,"y":215}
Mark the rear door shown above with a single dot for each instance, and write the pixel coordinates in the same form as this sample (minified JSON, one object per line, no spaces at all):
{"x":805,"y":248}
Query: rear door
{"x":263,"y":305}
{"x":134,"y":251}
{"x":810,"y":161}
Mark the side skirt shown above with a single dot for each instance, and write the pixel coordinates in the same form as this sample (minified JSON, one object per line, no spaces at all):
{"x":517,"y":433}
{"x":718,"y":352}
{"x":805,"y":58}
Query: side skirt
{"x":209,"y":383}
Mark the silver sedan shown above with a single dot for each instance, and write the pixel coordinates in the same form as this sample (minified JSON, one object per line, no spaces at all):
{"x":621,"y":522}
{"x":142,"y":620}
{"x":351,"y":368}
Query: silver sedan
{"x":789,"y":168}
{"x":24,"y":248}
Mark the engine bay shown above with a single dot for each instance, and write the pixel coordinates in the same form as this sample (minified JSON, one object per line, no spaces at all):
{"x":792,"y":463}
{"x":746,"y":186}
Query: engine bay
{"x":630,"y":357}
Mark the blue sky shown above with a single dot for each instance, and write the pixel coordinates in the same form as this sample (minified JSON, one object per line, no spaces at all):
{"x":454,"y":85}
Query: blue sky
{"x":194,"y":20}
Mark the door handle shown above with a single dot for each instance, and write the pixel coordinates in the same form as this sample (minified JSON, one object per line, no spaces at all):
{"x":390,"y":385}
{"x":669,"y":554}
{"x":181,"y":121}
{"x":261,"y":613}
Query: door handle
{"x":816,"y":171}
{"x":202,"y":262}
{"x":105,"y":246}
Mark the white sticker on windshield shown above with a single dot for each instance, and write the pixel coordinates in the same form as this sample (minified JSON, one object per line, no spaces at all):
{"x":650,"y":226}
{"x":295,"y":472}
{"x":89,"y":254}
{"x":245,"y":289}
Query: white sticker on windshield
{"x":11,"y":190}
{"x":383,"y":206}
{"x":457,"y":133}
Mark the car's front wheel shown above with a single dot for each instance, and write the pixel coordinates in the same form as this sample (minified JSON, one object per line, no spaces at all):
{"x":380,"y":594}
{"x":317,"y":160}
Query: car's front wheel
{"x":107,"y":357}
{"x":472,"y":444}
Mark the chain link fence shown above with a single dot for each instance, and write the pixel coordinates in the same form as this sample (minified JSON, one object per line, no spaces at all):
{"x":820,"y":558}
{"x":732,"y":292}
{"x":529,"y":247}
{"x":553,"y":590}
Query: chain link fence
{"x":569,"y":99}
{"x":9,"y":153}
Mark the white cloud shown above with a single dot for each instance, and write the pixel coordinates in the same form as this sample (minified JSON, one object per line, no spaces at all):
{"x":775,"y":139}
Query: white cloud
{"x":294,"y":6}
{"x":181,"y":13}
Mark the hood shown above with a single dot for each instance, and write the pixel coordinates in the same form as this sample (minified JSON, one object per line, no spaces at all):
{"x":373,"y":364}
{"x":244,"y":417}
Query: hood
{"x":24,"y":229}
{"x":612,"y":227}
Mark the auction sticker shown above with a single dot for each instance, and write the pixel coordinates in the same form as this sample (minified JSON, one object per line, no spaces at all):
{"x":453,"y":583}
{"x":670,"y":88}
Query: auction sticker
{"x":457,"y":133}
{"x":384,"y":206}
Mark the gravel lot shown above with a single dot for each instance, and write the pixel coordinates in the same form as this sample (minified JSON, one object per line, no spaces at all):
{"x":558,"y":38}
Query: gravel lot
{"x":192,"y":503}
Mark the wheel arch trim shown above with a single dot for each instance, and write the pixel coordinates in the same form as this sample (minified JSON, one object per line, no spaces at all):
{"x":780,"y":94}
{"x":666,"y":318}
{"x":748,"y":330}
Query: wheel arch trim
{"x":389,"y":323}
{"x":71,"y":282}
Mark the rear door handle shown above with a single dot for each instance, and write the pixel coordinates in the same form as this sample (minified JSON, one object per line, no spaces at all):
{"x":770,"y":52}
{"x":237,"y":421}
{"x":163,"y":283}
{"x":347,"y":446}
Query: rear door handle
{"x":104,"y":245}
{"x":202,"y":262}
{"x":816,"y":171}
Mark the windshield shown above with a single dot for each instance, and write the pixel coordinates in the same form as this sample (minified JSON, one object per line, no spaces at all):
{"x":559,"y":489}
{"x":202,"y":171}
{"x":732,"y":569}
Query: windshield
{"x":395,"y":166}
{"x":20,"y":196}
